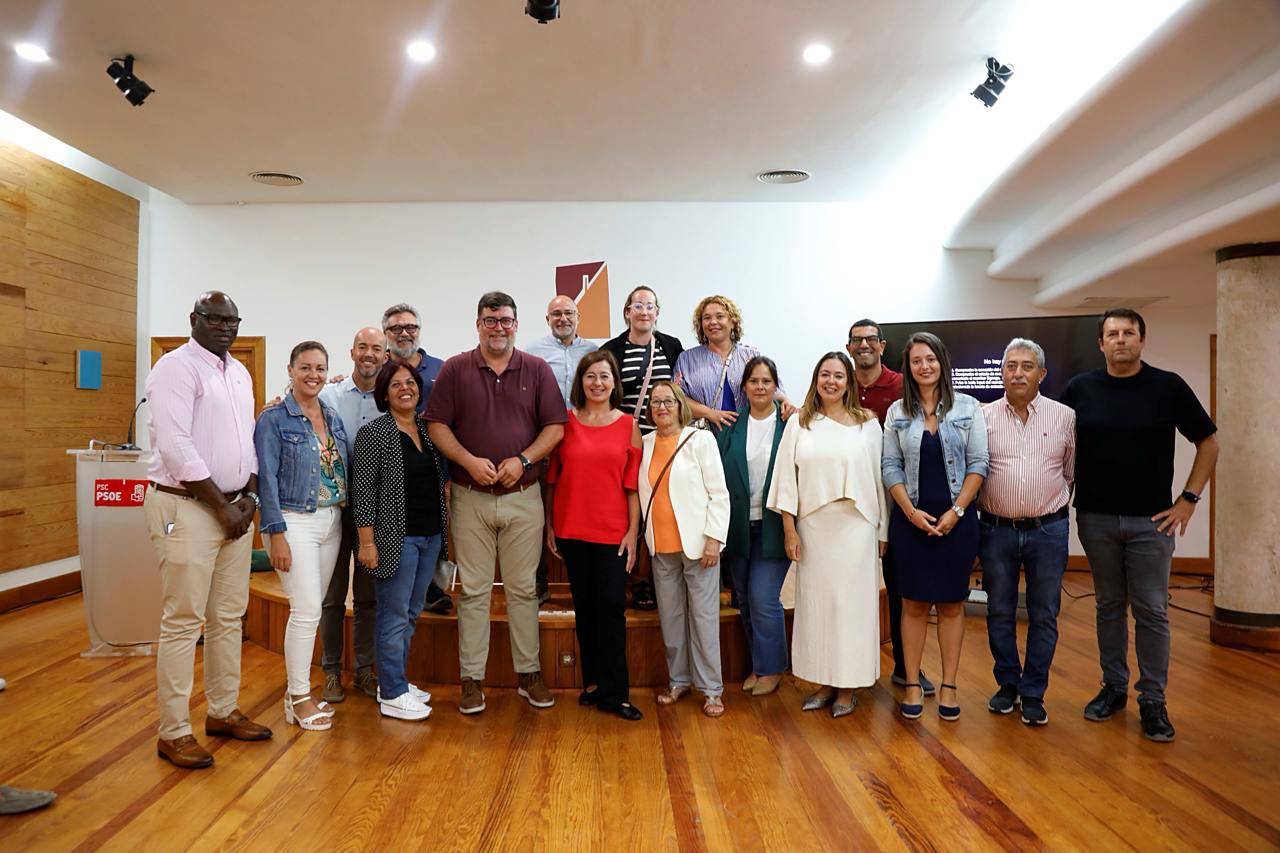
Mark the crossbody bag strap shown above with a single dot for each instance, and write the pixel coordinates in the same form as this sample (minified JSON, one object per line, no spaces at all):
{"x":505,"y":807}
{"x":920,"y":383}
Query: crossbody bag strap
{"x":644,"y":518}
{"x":648,"y":375}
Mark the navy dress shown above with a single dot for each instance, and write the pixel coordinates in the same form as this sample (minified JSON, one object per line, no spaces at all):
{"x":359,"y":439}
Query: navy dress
{"x":933,"y":568}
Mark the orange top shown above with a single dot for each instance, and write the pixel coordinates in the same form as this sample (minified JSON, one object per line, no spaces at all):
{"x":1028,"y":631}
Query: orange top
{"x":662,"y":518}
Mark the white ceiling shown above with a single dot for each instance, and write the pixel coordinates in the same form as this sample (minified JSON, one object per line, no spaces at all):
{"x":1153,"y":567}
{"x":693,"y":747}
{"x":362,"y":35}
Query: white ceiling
{"x":660,"y":100}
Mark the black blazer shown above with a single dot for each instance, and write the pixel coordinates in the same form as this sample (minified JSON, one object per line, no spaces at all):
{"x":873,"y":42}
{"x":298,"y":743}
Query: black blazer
{"x":670,"y":346}
{"x":377,"y":489}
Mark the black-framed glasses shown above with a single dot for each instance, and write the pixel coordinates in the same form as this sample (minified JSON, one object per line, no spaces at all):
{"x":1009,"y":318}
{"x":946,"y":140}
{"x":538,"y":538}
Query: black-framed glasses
{"x":407,"y":328}
{"x":220,"y":320}
{"x":857,"y":340}
{"x":495,"y":322}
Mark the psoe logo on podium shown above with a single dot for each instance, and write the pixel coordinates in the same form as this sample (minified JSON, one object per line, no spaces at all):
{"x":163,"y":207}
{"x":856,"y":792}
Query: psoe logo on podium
{"x":119,"y":492}
{"x":588,"y":286}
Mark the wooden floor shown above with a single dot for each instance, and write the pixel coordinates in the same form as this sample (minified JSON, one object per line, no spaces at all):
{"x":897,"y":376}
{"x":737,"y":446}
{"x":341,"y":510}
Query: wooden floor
{"x":765,"y":776}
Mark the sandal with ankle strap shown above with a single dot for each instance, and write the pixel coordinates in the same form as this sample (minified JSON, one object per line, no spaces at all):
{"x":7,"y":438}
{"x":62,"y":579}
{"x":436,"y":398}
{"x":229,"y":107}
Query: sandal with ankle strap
{"x":911,"y":712}
{"x":672,"y":695}
{"x":318,"y":722}
{"x":950,"y":713}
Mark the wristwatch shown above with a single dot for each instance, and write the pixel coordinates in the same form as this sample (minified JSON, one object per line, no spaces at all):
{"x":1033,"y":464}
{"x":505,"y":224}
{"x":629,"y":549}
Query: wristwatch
{"x":524,"y":460}
{"x":958,"y":510}
{"x":1190,"y":496}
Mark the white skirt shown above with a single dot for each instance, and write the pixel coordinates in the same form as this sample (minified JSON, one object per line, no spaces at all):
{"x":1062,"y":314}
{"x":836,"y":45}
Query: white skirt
{"x":836,"y":636}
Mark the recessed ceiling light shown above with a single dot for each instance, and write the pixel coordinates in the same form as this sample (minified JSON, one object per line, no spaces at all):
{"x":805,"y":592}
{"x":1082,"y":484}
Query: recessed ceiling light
{"x":421,"y":51}
{"x":816,"y":54}
{"x":31,"y":52}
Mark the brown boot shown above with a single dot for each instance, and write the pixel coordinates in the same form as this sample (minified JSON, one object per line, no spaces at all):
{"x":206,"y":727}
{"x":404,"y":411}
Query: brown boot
{"x":185,"y":752}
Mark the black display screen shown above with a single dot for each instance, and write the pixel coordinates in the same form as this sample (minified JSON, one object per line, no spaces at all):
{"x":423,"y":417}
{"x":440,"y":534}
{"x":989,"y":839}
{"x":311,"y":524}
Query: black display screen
{"x":976,"y":346}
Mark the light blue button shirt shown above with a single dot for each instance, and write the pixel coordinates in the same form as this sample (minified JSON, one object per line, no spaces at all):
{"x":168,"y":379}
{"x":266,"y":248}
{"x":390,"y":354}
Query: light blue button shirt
{"x":563,"y":359}
{"x":355,"y":407}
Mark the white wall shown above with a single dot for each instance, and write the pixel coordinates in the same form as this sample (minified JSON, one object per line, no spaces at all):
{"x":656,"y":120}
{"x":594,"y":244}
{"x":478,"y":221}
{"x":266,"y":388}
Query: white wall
{"x":800,"y":272}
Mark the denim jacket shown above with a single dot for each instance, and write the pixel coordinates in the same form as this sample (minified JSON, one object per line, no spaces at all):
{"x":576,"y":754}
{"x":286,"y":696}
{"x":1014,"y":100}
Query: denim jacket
{"x":289,"y":460}
{"x":964,"y":446}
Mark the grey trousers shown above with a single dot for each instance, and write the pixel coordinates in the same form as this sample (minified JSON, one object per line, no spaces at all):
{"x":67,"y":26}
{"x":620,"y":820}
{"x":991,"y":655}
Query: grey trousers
{"x":1130,"y":561}
{"x":333,"y":613}
{"x":689,"y":612}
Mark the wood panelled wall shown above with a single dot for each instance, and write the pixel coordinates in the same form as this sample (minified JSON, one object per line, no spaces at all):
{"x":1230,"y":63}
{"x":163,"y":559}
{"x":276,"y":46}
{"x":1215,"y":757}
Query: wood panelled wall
{"x":68,"y":281}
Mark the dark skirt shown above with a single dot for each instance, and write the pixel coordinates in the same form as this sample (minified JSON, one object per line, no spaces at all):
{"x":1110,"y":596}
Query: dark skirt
{"x":933,"y":568}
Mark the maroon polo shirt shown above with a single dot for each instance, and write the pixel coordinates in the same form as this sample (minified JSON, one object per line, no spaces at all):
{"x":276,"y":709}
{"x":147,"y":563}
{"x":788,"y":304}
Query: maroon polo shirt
{"x":879,"y":395}
{"x":496,"y":416}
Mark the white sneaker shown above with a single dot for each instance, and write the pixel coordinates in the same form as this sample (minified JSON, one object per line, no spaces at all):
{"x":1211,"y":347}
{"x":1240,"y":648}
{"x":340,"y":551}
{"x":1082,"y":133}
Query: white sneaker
{"x":421,"y":695}
{"x":404,"y":707}
{"x":3,"y":684}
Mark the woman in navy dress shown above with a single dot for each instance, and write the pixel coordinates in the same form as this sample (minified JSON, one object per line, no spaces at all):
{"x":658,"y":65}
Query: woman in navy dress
{"x":934,"y":462}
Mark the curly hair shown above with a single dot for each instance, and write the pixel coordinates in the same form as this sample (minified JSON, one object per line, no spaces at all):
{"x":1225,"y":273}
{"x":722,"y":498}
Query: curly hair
{"x":730,"y":308}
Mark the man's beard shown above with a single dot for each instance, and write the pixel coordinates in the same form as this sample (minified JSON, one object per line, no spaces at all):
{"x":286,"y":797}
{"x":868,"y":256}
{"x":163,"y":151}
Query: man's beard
{"x":408,"y":351}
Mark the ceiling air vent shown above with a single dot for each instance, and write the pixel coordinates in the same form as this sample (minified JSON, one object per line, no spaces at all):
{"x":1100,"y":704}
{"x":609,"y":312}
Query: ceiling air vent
{"x":783,"y":176}
{"x":276,"y":179}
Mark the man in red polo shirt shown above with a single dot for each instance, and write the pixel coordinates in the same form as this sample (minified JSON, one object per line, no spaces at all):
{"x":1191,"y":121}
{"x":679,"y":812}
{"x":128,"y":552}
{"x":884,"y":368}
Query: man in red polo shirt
{"x":497,"y":413}
{"x":878,"y":387}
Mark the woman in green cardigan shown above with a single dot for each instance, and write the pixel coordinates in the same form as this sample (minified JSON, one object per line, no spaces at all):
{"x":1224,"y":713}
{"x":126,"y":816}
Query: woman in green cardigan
{"x":754,"y":550}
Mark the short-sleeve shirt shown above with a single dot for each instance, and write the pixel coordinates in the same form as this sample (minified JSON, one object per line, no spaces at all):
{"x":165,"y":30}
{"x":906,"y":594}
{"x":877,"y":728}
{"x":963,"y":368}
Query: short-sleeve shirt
{"x":881,"y":394}
{"x":592,"y":469}
{"x":496,"y":416}
{"x":1124,"y":437}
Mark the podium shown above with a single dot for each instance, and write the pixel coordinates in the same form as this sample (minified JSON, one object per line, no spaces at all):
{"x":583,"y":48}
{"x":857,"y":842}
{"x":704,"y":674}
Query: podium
{"x":119,"y":571}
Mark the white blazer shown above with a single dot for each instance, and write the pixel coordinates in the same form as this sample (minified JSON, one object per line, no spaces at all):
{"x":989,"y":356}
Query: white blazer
{"x":695,"y":484}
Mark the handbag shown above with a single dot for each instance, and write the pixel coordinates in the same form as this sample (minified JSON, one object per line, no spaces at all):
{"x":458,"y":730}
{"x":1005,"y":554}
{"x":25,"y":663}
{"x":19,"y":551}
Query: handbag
{"x":644,"y":516}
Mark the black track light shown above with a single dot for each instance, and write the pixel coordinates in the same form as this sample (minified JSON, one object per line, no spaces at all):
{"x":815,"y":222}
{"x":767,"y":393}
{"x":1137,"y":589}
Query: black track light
{"x":542,"y":11}
{"x":997,"y":76}
{"x":121,"y":72}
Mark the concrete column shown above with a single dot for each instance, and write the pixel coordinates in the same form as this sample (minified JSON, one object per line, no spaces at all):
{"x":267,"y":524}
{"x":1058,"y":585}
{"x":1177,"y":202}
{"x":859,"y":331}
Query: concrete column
{"x":1246,"y":488}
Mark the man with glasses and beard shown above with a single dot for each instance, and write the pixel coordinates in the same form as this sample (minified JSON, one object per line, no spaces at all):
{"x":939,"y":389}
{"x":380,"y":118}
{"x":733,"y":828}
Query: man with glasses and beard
{"x":401,"y":324}
{"x":878,"y":388}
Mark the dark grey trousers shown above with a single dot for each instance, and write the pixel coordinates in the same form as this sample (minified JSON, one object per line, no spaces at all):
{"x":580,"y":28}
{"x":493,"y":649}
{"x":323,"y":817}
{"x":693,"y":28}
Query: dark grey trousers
{"x":1130,"y":561}
{"x":333,"y":611}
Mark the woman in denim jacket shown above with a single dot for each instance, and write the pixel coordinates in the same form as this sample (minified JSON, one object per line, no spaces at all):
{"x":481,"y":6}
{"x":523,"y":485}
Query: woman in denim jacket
{"x":934,"y":462}
{"x":302,"y":477}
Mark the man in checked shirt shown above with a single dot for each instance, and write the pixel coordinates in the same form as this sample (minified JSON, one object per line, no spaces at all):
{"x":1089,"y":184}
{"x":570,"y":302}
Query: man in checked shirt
{"x":1025,"y":523}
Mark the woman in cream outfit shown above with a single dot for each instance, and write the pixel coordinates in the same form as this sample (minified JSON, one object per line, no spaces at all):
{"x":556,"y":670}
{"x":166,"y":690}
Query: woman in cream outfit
{"x":827,"y":486}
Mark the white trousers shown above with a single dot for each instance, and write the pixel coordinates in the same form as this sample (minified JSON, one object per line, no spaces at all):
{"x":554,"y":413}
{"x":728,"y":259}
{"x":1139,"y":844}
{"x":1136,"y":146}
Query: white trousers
{"x":313,"y":539}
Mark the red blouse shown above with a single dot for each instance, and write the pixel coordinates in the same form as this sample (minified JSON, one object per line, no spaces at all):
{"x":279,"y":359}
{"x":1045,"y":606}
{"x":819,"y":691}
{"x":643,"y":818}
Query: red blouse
{"x":593,"y":468}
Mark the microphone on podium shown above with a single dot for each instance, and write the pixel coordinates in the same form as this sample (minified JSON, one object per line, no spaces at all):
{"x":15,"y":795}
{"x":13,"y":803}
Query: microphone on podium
{"x":128,"y":442}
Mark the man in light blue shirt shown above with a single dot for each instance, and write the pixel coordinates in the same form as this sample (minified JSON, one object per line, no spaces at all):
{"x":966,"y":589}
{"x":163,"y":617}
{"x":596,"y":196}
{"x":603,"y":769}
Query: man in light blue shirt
{"x":562,"y":349}
{"x":353,"y":399}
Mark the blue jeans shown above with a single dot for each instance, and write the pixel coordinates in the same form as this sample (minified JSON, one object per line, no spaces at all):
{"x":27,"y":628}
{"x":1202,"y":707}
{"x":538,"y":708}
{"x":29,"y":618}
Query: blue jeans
{"x":758,"y":581}
{"x":401,"y":598}
{"x":1042,"y":553}
{"x":1130,"y":560}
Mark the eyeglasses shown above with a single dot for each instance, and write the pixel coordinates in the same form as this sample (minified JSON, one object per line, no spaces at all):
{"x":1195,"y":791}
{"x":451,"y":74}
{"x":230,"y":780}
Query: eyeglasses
{"x":859,"y":339}
{"x":643,"y":306}
{"x":495,"y":322}
{"x":406,"y":328}
{"x":562,"y":315}
{"x":220,"y":320}
{"x":663,"y":404}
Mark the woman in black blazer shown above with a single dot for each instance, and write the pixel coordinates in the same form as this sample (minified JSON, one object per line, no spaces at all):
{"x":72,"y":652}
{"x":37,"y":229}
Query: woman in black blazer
{"x":400,"y":500}
{"x":754,"y":551}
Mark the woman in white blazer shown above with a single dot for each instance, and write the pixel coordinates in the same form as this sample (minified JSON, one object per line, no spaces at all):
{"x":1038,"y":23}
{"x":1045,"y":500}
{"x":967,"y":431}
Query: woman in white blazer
{"x":687,"y":514}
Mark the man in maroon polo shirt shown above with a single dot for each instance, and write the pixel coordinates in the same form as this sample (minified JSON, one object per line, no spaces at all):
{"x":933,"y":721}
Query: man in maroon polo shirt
{"x":496,"y":413}
{"x":878,"y":387}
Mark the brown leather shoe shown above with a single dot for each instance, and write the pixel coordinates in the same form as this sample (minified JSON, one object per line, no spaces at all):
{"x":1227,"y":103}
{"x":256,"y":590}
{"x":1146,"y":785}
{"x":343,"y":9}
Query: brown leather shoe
{"x":185,"y":752}
{"x":236,"y":725}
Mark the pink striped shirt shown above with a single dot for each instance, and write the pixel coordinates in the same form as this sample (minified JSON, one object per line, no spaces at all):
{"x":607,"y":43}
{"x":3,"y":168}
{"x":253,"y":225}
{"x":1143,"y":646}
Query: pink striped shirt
{"x":201,"y":422}
{"x":1032,"y":465}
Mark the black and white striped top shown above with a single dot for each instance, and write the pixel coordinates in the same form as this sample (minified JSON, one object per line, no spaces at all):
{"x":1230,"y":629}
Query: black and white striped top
{"x":635,"y":360}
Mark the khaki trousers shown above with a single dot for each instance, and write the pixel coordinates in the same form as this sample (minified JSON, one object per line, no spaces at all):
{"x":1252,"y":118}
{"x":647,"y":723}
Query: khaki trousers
{"x":487,"y":528}
{"x":205,"y":581}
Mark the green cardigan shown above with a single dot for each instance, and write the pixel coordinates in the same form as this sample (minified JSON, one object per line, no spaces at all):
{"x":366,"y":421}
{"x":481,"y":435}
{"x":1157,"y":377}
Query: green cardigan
{"x":733,"y":453}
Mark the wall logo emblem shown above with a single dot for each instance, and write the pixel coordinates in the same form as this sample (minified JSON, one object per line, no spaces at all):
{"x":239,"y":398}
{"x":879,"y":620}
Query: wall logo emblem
{"x":588,"y":286}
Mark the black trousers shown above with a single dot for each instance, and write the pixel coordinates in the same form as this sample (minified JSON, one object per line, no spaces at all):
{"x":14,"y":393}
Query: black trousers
{"x":895,"y":613}
{"x":598,"y":582}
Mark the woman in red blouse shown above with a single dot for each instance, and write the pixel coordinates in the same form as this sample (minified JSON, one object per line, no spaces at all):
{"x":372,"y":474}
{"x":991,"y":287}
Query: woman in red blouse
{"x":593,"y":516}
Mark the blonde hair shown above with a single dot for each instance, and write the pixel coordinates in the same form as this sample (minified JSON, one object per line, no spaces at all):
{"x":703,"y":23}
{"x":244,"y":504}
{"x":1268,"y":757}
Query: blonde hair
{"x":735,"y":317}
{"x":684,"y":414}
{"x":813,"y":402}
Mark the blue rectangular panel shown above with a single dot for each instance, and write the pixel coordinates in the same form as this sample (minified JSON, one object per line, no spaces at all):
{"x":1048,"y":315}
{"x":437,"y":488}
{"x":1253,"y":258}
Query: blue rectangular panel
{"x":88,"y":369}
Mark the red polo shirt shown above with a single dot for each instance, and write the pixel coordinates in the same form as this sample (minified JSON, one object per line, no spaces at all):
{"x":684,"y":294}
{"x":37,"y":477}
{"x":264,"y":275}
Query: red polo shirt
{"x":495,"y":416}
{"x":879,"y":395}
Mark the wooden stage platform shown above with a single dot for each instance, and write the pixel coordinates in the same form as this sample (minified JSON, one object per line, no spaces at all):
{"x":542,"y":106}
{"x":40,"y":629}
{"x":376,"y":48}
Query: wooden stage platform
{"x":433,"y":658}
